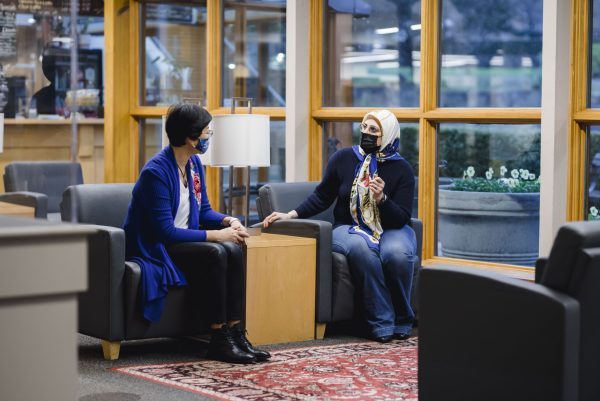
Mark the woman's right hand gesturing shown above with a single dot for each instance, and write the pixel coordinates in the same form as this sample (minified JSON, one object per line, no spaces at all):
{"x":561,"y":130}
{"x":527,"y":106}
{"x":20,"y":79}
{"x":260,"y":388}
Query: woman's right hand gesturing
{"x":278,"y":216}
{"x":227,"y":234}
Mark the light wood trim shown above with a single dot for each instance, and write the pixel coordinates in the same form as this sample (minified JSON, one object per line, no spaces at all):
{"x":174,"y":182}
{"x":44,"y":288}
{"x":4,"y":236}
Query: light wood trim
{"x":427,"y":129}
{"x":118,"y":147}
{"x":276,"y":113}
{"x":586,"y":116}
{"x":32,"y":121}
{"x":14,"y":209}
{"x":135,"y":70}
{"x":524,"y":273}
{"x":315,"y":150}
{"x":357,"y":113}
{"x":266,"y":240}
{"x":213,"y":87}
{"x":111,"y":349}
{"x":315,"y":130}
{"x":149,"y":111}
{"x":485,"y":115}
{"x":576,"y":184}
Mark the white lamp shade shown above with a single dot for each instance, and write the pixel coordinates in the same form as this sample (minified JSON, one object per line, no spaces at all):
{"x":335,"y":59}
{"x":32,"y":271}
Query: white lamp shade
{"x":1,"y":132}
{"x":240,"y":140}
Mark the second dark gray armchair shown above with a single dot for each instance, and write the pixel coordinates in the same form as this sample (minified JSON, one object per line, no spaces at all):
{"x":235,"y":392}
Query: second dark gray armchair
{"x":335,"y":291}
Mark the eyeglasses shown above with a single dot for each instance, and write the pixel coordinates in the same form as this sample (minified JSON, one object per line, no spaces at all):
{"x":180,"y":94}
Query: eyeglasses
{"x":371,"y":129}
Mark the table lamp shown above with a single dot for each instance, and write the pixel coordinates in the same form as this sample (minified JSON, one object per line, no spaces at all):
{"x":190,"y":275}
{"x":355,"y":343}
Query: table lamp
{"x":240,"y":140}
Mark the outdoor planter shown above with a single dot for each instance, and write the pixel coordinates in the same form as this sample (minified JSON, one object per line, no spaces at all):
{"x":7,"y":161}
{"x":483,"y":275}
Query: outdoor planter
{"x":489,"y":226}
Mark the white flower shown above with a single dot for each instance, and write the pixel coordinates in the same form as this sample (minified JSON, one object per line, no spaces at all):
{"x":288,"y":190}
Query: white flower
{"x":488,"y":175}
{"x":532,"y":176}
{"x":594,"y":211}
{"x":512,"y":182}
{"x":524,"y":174}
{"x":470,"y":171}
{"x":491,"y":170}
{"x":503,"y":170}
{"x":515,"y":173}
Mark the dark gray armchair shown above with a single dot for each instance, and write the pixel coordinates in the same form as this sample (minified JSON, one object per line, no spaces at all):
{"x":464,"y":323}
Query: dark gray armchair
{"x":483,"y":336}
{"x":110,"y":310}
{"x":335,"y":291}
{"x":40,"y":185}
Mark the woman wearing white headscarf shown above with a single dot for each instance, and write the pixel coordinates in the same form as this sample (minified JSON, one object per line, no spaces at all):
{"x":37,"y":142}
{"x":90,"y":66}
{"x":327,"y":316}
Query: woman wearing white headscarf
{"x":374,"y":188}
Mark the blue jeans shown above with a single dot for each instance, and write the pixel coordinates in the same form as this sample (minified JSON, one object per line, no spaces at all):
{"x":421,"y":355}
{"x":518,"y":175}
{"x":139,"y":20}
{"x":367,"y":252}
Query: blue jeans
{"x":383,"y":279}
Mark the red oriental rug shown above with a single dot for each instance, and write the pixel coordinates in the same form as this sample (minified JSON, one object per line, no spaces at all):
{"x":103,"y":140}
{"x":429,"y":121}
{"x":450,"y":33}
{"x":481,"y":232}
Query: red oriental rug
{"x":355,"y":371}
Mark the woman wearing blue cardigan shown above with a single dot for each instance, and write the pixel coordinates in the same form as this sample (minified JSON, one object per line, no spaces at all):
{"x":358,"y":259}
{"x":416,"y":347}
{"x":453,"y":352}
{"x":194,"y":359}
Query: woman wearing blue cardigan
{"x":168,"y":211}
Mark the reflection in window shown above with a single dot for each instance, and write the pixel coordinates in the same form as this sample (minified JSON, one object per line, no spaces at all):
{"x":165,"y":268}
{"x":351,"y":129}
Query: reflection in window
{"x":338,"y":135}
{"x":258,"y":176}
{"x":150,"y":139}
{"x":35,"y":70}
{"x":372,"y":53}
{"x":488,"y":198}
{"x":173,"y":45}
{"x":491,"y":53}
{"x":254,"y":52}
{"x":592,"y":211}
{"x":594,"y":82}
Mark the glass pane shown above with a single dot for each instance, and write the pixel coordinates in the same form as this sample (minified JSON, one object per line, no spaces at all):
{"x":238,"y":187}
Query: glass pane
{"x":593,"y":179}
{"x":488,"y":198}
{"x":491,"y":53}
{"x":258,"y":177}
{"x":254,"y":52}
{"x":173,"y":52}
{"x":594,"y":83}
{"x":338,"y":135}
{"x":35,"y":70}
{"x":372,"y":53}
{"x":150,"y":138}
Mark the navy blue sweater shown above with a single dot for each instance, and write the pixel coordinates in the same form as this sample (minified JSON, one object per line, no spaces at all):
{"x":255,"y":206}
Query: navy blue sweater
{"x":337,"y":183}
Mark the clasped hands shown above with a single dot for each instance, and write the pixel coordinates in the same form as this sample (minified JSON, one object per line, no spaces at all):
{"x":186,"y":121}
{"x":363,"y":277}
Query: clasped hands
{"x":236,"y":232}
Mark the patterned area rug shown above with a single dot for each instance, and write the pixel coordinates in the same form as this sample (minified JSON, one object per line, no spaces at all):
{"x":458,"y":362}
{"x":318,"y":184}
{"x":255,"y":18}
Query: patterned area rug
{"x":355,"y":371}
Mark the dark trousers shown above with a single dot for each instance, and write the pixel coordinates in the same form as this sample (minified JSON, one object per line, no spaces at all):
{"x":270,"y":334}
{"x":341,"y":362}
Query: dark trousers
{"x":222,"y":265}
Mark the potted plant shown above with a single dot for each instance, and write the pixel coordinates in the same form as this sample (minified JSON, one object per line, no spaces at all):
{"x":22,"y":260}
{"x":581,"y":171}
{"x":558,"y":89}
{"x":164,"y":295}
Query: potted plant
{"x":493,"y":219}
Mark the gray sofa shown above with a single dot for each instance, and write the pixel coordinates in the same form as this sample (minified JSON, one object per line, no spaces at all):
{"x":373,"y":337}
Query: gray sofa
{"x":335,"y":291}
{"x":40,"y":185}
{"x":483,"y":336}
{"x":110,"y":310}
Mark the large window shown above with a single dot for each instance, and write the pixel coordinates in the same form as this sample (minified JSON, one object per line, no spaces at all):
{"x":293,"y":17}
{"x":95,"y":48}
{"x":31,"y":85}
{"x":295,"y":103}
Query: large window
{"x":253,"y":52}
{"x":488,"y":198}
{"x":35,"y":61}
{"x":172,"y":52}
{"x":491,"y":53}
{"x":372,"y":53}
{"x":594,"y":55}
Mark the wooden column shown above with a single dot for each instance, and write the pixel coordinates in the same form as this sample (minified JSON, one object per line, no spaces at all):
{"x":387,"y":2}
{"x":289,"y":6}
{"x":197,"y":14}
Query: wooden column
{"x":120,"y":148}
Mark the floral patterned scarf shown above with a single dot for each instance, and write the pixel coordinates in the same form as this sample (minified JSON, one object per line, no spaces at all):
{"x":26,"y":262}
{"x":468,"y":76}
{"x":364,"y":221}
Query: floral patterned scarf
{"x":363,"y":206}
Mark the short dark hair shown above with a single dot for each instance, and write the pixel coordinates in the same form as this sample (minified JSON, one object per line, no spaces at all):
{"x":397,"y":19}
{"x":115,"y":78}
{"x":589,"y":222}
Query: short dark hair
{"x":185,"y":120}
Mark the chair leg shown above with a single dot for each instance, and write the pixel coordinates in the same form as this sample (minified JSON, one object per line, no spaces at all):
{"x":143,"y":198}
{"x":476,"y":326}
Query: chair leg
{"x":320,"y":330}
{"x":111,"y":349}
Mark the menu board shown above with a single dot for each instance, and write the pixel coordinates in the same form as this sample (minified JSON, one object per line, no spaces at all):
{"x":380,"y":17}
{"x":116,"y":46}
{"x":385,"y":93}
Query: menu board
{"x":8,"y":30}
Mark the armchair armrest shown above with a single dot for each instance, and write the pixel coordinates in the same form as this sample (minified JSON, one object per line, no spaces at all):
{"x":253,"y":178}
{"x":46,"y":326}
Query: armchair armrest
{"x":321,"y":231}
{"x":485,"y":336}
{"x":33,"y":199}
{"x":540,"y":266}
{"x":101,"y":307}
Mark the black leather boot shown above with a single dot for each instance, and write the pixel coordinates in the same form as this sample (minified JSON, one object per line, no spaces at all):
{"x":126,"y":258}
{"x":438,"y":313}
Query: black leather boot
{"x":239,"y":334}
{"x":223,"y":347}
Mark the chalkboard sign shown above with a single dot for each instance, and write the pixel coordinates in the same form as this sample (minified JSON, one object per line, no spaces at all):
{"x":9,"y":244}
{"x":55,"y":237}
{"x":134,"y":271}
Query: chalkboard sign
{"x":8,"y":30}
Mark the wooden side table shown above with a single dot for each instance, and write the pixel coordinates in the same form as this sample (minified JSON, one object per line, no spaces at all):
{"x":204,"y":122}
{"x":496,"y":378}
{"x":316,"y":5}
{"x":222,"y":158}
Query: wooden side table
{"x":12,"y":209}
{"x":280,"y":288}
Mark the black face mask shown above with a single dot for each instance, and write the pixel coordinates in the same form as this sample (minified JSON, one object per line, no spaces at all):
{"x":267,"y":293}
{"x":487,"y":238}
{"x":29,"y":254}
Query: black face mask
{"x":368,"y":143}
